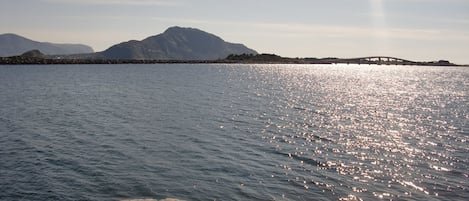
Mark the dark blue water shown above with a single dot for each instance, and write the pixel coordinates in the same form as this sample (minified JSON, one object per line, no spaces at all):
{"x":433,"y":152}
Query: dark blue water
{"x":234,"y":132}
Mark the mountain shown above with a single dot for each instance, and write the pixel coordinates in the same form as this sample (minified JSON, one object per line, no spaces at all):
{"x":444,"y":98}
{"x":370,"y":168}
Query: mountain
{"x":177,"y":43}
{"x":12,"y":45}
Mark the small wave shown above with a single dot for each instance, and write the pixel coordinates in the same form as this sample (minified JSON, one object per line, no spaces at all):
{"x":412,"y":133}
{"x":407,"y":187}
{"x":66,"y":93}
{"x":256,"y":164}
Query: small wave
{"x":303,"y":159}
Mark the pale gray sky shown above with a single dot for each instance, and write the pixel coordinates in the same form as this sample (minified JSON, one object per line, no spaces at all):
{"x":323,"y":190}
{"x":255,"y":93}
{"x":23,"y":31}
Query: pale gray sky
{"x":409,"y":29}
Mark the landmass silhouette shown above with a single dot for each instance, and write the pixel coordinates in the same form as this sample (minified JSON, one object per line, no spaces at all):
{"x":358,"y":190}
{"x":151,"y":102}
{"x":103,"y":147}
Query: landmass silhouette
{"x":181,"y":45}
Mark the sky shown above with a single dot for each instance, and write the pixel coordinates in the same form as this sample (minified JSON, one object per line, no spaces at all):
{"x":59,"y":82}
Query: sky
{"x":419,"y":30}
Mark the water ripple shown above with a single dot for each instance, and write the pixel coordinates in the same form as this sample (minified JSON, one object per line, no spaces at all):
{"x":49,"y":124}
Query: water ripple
{"x":236,"y":132}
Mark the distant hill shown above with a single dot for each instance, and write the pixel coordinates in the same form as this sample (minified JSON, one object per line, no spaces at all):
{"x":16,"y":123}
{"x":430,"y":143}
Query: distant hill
{"x":33,"y":54}
{"x":177,"y":43}
{"x":12,"y":45}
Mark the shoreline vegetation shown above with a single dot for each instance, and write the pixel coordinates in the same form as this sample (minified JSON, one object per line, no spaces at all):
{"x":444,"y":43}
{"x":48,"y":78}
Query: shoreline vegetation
{"x":35,"y":57}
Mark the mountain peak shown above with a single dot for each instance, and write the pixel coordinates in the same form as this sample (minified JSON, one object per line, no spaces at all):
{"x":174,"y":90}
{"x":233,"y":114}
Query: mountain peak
{"x":178,"y":28}
{"x":177,"y":43}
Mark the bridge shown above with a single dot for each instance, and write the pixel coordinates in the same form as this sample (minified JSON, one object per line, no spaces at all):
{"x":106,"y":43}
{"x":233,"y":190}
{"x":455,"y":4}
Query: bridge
{"x":379,"y":60}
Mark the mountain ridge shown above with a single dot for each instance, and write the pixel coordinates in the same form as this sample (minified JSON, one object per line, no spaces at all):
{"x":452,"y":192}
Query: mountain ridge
{"x":175,"y":43}
{"x":13,"y":44}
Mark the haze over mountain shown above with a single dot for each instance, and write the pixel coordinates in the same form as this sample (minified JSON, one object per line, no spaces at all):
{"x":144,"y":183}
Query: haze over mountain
{"x":12,"y":45}
{"x":177,"y":43}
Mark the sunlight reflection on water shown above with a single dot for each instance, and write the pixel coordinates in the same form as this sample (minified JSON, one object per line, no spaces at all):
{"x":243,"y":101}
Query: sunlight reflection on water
{"x":382,"y":130}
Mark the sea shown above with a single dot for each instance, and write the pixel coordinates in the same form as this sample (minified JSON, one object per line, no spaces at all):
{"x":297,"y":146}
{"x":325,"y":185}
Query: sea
{"x":233,"y":132}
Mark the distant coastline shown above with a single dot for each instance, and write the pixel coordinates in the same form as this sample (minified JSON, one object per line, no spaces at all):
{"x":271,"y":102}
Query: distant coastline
{"x":175,"y":45}
{"x":36,"y":58}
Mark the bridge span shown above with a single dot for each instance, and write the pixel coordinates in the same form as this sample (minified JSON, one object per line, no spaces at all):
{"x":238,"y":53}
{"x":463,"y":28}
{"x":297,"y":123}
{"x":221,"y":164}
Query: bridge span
{"x":379,"y":60}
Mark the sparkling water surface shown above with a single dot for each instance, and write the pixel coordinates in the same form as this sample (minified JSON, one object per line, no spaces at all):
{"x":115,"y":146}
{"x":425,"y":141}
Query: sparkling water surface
{"x":234,"y":132}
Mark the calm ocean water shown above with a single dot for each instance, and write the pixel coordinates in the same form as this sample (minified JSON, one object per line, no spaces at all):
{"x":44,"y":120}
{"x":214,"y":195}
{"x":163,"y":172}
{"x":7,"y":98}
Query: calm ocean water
{"x":234,"y":132}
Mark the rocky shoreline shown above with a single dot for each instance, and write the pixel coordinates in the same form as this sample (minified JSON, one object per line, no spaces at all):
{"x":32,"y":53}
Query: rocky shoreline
{"x":36,"y":58}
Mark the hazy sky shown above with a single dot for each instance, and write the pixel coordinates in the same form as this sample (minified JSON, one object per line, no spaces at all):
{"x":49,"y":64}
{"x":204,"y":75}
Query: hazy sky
{"x":409,"y":29}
